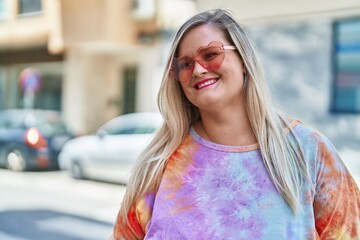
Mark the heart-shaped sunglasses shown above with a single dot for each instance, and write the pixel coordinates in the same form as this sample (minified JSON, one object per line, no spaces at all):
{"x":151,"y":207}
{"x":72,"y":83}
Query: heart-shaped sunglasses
{"x":209,"y":57}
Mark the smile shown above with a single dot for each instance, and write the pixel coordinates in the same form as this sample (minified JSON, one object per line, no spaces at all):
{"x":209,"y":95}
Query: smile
{"x":205,"y":83}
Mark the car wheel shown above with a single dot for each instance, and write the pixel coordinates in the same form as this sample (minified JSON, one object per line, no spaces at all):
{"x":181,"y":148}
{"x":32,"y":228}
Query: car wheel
{"x":15,"y":160}
{"x":77,"y":171}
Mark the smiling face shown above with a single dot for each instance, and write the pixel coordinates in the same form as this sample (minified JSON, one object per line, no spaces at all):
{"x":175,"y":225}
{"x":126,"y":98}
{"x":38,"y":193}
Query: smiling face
{"x":209,"y":88}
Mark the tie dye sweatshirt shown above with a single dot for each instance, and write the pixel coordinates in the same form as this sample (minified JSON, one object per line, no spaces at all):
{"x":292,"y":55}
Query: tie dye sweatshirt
{"x":213,"y":191}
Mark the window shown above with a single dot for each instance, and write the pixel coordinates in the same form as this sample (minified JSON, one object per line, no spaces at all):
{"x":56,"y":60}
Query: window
{"x":29,"y":7}
{"x":129,"y":90}
{"x":2,"y":9}
{"x":143,"y":9}
{"x":50,"y":95}
{"x":346,"y":58}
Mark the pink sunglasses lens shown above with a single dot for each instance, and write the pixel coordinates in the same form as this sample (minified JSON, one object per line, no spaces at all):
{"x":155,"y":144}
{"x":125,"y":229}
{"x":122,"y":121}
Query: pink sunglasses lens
{"x":210,"y":57}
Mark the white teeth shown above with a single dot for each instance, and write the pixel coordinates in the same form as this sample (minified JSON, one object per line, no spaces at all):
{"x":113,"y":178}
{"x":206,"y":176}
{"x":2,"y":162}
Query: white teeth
{"x":206,"y":83}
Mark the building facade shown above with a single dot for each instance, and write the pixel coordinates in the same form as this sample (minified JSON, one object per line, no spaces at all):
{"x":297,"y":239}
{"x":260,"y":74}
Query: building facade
{"x":102,"y":58}
{"x":97,"y":58}
{"x":310,"y":52}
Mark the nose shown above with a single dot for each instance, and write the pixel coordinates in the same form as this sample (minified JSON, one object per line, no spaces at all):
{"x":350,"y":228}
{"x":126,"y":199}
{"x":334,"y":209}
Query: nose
{"x":198,"y":69}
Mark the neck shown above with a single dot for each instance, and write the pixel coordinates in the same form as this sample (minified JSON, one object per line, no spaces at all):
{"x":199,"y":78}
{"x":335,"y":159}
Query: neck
{"x":227,"y":127}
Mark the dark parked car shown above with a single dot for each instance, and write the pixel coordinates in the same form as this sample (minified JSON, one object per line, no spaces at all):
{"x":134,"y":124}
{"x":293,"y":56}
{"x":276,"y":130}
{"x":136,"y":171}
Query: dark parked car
{"x":31,"y":139}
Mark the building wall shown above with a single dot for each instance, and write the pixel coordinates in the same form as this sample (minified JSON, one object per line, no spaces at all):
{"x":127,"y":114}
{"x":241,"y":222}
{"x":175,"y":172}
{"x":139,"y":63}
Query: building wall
{"x":278,"y":10}
{"x":295,"y":46}
{"x":98,"y":48}
{"x":39,"y":29}
{"x":96,"y":20}
{"x":297,"y":60}
{"x":30,"y":40}
{"x":94,"y":39}
{"x":95,"y":42}
{"x":96,"y":67}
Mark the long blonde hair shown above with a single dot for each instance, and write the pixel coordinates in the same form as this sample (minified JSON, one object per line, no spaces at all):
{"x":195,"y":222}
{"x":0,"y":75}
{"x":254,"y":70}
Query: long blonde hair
{"x":283,"y":158}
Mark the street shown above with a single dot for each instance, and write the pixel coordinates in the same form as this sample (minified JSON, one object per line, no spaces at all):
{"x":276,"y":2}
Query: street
{"x":53,"y":206}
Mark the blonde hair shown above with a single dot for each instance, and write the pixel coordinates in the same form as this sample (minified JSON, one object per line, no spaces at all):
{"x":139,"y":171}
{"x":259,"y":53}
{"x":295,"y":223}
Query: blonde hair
{"x":282,"y":157}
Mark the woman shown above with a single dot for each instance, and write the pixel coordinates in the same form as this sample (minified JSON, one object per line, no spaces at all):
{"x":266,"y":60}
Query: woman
{"x":225,"y":165}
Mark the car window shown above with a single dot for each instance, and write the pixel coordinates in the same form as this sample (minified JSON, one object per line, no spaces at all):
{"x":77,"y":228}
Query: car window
{"x":131,"y":124}
{"x":144,"y":130}
{"x":48,"y":122}
{"x":133,"y":130}
{"x":4,"y":122}
{"x":117,"y":126}
{"x":10,"y":120}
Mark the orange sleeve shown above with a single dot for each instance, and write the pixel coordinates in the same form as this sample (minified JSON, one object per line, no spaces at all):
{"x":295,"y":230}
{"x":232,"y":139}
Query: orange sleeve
{"x":138,"y":216}
{"x":337,"y":197}
{"x":130,"y":230}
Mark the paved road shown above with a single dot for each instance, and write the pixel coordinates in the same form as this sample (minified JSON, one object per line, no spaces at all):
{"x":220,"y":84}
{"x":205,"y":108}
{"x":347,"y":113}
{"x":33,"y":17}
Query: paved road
{"x":52,"y":206}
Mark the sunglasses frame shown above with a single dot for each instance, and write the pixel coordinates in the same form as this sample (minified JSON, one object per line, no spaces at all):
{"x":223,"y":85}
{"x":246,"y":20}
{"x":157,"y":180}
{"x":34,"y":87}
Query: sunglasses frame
{"x":198,"y":59}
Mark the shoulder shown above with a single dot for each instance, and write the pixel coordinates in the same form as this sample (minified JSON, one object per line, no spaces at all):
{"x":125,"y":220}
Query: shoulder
{"x":314,"y":144}
{"x":306,"y":135}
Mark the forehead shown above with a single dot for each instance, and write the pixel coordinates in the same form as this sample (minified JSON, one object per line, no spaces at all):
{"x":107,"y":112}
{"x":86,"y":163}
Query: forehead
{"x":200,"y":36}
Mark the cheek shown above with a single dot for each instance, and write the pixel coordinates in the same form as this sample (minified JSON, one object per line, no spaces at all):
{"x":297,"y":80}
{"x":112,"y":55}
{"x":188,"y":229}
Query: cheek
{"x":188,"y":92}
{"x":184,"y":88}
{"x":234,"y":71}
{"x":233,"y":77}
{"x":235,"y":64}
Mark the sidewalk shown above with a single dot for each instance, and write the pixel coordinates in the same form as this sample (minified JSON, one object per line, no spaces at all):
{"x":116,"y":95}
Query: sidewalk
{"x":351,"y":159}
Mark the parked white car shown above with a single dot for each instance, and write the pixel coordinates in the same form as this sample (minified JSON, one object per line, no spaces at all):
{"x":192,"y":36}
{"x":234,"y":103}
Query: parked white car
{"x":110,"y":154}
